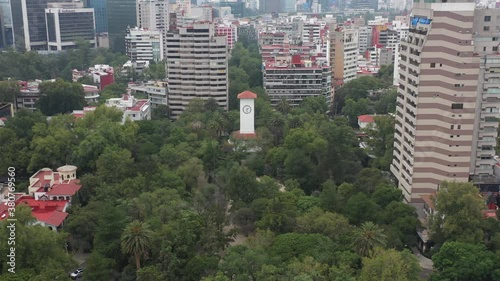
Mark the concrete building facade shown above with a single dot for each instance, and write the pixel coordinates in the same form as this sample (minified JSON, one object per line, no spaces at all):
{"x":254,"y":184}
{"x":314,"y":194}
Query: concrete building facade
{"x":144,"y":45}
{"x":197,"y":66}
{"x":294,"y":79}
{"x":445,"y":109}
{"x":343,"y":55}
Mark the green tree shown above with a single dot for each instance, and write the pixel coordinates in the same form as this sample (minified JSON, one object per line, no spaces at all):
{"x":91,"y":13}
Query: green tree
{"x":136,"y":240}
{"x":458,"y":215}
{"x":353,"y":109}
{"x":8,"y":91}
{"x":390,"y":265}
{"x":60,"y":97}
{"x":463,"y":261}
{"x":332,"y":225}
{"x":98,"y":267}
{"x":369,"y":237}
{"x":381,"y":141}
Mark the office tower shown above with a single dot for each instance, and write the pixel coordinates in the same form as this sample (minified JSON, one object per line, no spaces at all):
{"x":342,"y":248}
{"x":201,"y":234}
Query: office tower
{"x":6,"y":26}
{"x":447,"y":105}
{"x":197,"y":66}
{"x":343,"y":55}
{"x":121,"y":15}
{"x":270,"y":6}
{"x":144,"y":45}
{"x":153,"y":15}
{"x":100,"y":14}
{"x":365,"y":38}
{"x":67,"y":23}
{"x":34,"y":25}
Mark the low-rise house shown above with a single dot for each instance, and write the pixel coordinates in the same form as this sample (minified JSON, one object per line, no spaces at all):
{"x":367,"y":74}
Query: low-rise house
{"x":49,"y":196}
{"x":135,"y":109}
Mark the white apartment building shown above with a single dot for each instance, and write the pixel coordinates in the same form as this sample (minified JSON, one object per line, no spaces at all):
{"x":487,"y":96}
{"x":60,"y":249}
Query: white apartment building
{"x":144,"y":45}
{"x":155,"y":90}
{"x":154,"y":15}
{"x":197,"y":66}
{"x":365,"y":38}
{"x":133,"y":109}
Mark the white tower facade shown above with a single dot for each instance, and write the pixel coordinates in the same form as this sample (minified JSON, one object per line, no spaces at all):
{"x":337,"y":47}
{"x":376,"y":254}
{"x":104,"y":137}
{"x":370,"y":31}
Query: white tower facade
{"x":247,"y":113}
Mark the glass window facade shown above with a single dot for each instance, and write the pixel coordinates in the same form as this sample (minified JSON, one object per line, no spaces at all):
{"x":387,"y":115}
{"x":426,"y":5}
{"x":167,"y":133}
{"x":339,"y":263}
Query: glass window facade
{"x":121,"y":14}
{"x":100,"y":13}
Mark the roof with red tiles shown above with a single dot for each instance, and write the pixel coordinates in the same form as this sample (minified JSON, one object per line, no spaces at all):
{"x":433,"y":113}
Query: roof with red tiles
{"x":138,"y":106}
{"x":247,"y":95}
{"x":366,"y":119}
{"x":55,"y":218}
{"x":240,"y":136}
{"x":65,"y":189}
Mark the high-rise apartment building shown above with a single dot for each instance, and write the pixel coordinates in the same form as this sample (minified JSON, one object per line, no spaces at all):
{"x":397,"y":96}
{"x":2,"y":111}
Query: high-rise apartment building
{"x":197,"y":66}
{"x":343,"y":55}
{"x":6,"y":25}
{"x":144,"y":45}
{"x":100,"y":14}
{"x":154,"y":15}
{"x":34,"y":24}
{"x":121,"y":15}
{"x":67,"y":23}
{"x":293,"y":78}
{"x":447,"y":104}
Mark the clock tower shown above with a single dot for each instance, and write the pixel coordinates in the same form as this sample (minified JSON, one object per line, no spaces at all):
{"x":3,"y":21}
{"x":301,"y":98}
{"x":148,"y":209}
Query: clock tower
{"x":247,"y":113}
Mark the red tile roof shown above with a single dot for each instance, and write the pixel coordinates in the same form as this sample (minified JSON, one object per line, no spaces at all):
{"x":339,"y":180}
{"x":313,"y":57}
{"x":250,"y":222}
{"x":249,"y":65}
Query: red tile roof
{"x":55,"y":218}
{"x":138,"y":105}
{"x":240,"y":136}
{"x":366,"y":119}
{"x":247,"y":95}
{"x":64,"y":189}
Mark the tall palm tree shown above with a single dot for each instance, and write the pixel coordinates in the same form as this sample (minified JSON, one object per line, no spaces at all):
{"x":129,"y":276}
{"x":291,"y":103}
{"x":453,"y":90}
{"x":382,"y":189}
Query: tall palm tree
{"x":137,"y":239}
{"x":283,"y":106}
{"x":368,"y":238}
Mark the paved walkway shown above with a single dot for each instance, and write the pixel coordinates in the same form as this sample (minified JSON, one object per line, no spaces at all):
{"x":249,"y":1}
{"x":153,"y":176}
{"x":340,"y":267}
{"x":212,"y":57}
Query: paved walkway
{"x":425,"y":263}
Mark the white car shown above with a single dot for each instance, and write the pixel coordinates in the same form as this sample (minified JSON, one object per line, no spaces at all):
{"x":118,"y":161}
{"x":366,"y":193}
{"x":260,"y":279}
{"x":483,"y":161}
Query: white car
{"x":77,"y":274}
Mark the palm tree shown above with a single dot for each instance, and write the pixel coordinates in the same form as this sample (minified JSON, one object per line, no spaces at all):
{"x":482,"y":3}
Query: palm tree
{"x":137,"y":239}
{"x":211,"y":105}
{"x":368,"y":238}
{"x":283,"y":106}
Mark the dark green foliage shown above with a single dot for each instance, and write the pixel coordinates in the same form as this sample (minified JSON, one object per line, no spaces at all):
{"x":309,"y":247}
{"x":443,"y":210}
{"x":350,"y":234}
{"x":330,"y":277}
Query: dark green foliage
{"x":60,"y":97}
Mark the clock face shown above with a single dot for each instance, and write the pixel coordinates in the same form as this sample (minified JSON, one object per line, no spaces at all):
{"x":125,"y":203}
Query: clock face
{"x":247,"y":109}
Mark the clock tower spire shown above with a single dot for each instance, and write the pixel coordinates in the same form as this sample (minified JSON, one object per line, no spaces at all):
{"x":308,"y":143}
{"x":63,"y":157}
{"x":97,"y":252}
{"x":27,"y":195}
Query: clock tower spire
{"x":247,"y":113}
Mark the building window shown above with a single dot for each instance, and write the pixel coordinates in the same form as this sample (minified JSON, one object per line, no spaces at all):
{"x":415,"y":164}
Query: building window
{"x":459,"y":85}
{"x":451,"y":127}
{"x":487,"y":18}
{"x":495,"y":49}
{"x":459,"y":127}
{"x":457,"y":106}
{"x":486,"y":28}
{"x":433,"y":64}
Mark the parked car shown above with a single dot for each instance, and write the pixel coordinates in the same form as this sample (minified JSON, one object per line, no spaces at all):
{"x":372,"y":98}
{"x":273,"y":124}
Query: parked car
{"x":77,"y":274}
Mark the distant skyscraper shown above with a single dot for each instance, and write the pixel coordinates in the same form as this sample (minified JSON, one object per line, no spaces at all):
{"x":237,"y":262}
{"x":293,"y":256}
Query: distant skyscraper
{"x":101,"y":14}
{"x":35,"y":29}
{"x":121,"y":15}
{"x":6,"y":26}
{"x":270,"y":6}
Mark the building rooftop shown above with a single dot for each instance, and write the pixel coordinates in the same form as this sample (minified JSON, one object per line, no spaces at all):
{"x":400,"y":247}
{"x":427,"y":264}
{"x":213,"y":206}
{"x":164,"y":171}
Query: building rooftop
{"x":247,"y":95}
{"x":366,"y":118}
